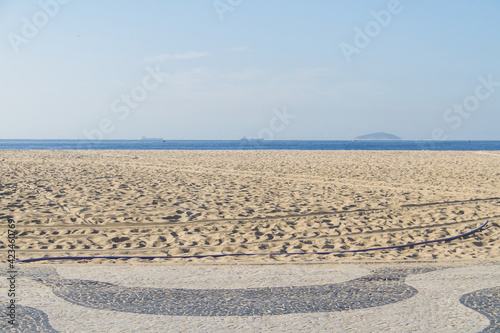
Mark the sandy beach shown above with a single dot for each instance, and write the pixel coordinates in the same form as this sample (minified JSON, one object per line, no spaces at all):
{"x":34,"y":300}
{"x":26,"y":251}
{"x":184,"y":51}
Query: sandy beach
{"x":97,"y":203}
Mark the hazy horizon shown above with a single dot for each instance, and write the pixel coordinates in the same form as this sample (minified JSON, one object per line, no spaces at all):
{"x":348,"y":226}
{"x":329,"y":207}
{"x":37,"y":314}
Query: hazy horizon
{"x":346,"y":139}
{"x":224,"y":70}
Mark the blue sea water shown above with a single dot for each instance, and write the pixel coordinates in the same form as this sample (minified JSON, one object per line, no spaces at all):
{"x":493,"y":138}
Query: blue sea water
{"x":248,"y":145}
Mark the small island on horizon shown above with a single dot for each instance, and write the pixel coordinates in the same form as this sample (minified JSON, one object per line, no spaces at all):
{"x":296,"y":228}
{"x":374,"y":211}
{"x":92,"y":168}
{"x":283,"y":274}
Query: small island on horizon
{"x":378,"y":136}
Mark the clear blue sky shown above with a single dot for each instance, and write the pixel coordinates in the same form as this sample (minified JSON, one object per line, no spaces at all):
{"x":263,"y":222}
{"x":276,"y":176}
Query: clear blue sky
{"x":227,"y":78}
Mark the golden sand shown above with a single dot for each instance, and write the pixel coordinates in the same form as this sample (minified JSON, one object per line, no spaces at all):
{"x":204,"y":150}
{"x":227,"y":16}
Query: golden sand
{"x":87,"y":203}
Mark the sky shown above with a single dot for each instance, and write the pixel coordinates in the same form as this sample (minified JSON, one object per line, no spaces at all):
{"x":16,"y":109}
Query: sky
{"x":227,"y":69}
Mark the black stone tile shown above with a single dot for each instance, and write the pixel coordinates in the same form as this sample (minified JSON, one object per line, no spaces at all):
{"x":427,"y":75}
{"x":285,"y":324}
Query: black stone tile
{"x":487,"y":303}
{"x":28,"y":319}
{"x":383,"y":286}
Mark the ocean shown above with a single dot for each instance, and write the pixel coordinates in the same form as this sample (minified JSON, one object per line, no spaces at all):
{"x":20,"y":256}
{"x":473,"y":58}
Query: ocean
{"x":249,"y":145}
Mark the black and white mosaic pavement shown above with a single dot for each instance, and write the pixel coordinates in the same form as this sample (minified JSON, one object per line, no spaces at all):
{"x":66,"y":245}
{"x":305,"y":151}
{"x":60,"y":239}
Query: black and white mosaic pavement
{"x":487,"y":303}
{"x":383,"y":286}
{"x":28,"y":319}
{"x":314,"y":306}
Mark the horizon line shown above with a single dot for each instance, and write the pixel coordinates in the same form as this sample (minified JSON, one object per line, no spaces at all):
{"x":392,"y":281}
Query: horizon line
{"x":267,"y":140}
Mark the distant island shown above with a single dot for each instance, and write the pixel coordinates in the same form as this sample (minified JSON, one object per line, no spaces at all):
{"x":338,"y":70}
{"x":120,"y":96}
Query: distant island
{"x":378,"y":136}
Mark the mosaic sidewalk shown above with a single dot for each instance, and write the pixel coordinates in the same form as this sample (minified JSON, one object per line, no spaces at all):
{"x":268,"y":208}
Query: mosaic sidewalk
{"x":254,"y":298}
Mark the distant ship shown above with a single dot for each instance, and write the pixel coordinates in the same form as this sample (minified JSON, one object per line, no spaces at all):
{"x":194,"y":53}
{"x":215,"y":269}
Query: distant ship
{"x":151,"y":139}
{"x":250,"y":139}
